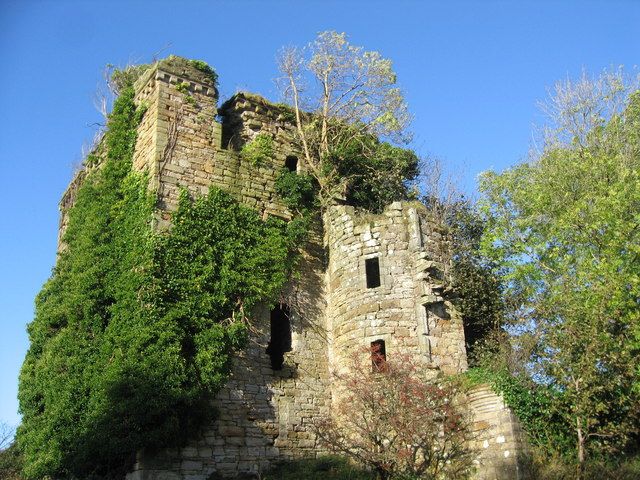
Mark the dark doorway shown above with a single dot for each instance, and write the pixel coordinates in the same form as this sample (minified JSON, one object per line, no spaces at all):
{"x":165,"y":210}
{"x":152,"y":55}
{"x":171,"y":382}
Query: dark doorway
{"x":291,"y":163}
{"x":280,"y":335}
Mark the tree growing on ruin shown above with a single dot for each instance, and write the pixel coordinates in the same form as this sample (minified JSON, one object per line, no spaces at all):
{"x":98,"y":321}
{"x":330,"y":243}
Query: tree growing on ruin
{"x":350,"y":117}
{"x":565,"y":228}
{"x":389,"y":418}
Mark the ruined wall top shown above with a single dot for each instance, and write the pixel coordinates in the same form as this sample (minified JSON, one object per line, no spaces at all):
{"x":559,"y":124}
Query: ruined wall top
{"x":175,"y":70}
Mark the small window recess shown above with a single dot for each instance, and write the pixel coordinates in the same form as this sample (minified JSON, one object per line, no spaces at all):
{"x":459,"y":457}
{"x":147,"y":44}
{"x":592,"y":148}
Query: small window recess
{"x":291,"y":163}
{"x":280,"y":341}
{"x":378,"y":356}
{"x":372,"y":271}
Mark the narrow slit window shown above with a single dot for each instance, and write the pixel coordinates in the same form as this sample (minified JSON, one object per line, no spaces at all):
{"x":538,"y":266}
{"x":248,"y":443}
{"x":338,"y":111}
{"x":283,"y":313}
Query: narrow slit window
{"x":427,"y":332}
{"x":378,"y":355}
{"x":427,"y":320}
{"x":291,"y":163}
{"x":372,"y":270}
{"x":280,"y":341}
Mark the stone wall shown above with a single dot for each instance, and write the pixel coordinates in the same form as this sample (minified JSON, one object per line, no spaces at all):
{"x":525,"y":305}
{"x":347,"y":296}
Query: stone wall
{"x":264,"y":414}
{"x":410,"y":310}
{"x":499,"y":439}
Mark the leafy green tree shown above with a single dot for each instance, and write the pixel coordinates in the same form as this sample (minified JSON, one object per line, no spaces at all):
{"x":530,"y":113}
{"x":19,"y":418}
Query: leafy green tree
{"x":565,"y":227}
{"x":345,"y":101}
{"x":476,"y":278}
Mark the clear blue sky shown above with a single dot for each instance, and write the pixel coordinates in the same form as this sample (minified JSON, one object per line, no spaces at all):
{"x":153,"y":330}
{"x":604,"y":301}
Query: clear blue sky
{"x":472,"y":73}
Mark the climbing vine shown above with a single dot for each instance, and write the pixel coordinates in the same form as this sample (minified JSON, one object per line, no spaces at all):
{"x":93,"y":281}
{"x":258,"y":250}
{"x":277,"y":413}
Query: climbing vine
{"x":258,"y":150}
{"x":135,"y":330}
{"x":532,"y":404}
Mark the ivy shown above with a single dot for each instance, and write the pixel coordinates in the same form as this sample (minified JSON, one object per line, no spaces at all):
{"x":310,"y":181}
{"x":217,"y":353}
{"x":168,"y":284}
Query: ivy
{"x":532,"y":404}
{"x":297,"y":190}
{"x":206,"y":69}
{"x":258,"y":150}
{"x":135,"y":330}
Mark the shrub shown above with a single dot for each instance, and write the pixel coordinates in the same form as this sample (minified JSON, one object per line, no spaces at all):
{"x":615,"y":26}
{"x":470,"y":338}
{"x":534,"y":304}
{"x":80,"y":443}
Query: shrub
{"x":396,"y":423}
{"x":258,"y":150}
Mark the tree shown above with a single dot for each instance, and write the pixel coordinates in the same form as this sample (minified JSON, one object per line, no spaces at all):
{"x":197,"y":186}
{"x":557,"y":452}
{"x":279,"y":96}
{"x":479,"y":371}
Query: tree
{"x":392,"y":420}
{"x":476,"y":279}
{"x":346,"y":100}
{"x":6,"y":435}
{"x":565,"y":227}
{"x":10,"y":459}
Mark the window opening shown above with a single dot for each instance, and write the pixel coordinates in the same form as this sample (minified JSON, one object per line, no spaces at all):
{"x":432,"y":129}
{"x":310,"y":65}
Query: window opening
{"x":420,"y":238}
{"x":372,"y":270}
{"x":427,"y":331}
{"x":280,"y":341}
{"x":291,"y":163}
{"x":378,"y":355}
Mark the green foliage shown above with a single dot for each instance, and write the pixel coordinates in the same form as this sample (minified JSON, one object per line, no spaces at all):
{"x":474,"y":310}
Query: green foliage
{"x":205,"y":68}
{"x":286,"y":111}
{"x":183,"y":87}
{"x":10,"y":463}
{"x":94,"y":274}
{"x":532,"y":404}
{"x":258,"y":150}
{"x":297,"y":190}
{"x":564,"y":229}
{"x":135,"y":331}
{"x":477,"y":280}
{"x":370,"y":173}
{"x":545,"y":467}
{"x":323,"y":468}
{"x":121,"y":78}
{"x":352,"y":99}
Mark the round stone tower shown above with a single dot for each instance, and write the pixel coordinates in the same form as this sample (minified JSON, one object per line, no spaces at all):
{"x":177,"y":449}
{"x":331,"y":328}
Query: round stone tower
{"x":387,"y":288}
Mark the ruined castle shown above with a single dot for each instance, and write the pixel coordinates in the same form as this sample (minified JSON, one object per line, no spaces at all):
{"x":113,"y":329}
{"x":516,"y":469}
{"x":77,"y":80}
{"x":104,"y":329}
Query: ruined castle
{"x":365,"y":280}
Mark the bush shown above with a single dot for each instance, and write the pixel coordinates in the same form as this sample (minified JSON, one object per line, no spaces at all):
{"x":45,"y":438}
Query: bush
{"x":10,"y":463}
{"x":396,"y":423}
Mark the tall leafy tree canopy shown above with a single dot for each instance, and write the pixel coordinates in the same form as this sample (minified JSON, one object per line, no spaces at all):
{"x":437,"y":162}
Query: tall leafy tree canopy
{"x":565,"y":229}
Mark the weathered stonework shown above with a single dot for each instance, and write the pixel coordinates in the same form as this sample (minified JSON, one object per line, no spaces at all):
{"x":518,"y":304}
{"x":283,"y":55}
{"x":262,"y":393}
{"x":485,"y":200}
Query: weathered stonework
{"x":409,"y":311}
{"x":499,"y":439}
{"x":267,"y":414}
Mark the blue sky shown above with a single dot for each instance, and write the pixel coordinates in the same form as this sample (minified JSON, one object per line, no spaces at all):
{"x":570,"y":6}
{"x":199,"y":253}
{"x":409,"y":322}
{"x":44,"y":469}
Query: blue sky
{"x":472,"y":73}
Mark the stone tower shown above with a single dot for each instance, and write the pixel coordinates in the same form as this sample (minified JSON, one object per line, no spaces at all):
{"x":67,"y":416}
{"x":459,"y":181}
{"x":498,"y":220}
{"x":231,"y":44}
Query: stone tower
{"x":363,"y":280}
